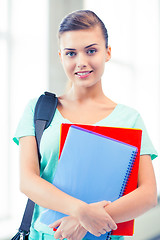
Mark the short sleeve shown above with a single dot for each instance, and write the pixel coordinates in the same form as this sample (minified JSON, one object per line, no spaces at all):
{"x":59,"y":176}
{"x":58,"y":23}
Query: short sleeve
{"x":26,"y":123}
{"x":146,"y":144}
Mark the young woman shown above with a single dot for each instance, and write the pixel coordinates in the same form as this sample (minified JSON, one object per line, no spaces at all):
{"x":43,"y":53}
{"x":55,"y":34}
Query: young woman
{"x":84,"y":50}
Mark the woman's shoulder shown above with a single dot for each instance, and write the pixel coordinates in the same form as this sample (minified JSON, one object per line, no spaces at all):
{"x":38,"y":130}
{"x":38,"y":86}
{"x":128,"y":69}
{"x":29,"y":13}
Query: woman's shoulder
{"x":126,"y":115}
{"x":30,"y":106}
{"x":128,"y":109}
{"x":32,"y":102}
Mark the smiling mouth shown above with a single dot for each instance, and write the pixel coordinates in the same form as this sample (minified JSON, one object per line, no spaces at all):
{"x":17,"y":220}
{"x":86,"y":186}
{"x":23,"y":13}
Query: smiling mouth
{"x":83,"y":74}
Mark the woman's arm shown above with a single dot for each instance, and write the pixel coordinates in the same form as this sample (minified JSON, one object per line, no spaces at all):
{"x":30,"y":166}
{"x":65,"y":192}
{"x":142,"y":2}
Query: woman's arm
{"x":140,"y":200}
{"x":47,"y":195}
{"x":69,"y":227}
{"x":38,"y":189}
{"x":127,"y":207}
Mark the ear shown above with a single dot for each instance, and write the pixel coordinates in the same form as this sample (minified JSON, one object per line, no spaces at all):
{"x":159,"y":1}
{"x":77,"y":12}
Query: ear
{"x":108,"y":53}
{"x":60,"y":55}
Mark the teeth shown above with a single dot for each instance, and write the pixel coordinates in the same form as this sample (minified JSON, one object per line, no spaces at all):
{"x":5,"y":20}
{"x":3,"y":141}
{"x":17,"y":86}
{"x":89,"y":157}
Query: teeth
{"x":82,"y":73}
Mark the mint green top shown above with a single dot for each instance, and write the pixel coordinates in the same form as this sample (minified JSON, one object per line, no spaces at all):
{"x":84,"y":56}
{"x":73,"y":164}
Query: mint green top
{"x":122,"y":116}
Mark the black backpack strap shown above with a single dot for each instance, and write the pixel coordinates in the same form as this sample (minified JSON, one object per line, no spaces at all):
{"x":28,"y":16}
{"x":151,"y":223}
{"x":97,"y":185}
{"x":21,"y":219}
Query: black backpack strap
{"x":27,"y":217}
{"x":43,"y":115}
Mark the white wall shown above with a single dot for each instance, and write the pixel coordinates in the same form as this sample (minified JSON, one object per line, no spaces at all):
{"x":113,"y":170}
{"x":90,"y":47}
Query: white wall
{"x":132,"y":76}
{"x":23,"y":75}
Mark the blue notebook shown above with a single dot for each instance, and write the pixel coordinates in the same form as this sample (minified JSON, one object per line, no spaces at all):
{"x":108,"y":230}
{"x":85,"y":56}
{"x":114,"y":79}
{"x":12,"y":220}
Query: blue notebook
{"x":92,"y":167}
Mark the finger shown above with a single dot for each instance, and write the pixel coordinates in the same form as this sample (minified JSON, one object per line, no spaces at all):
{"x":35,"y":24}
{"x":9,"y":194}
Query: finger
{"x":97,"y":234}
{"x":66,"y":235}
{"x":61,"y":234}
{"x":105,"y":203}
{"x":58,"y":234}
{"x":112,"y":225}
{"x":103,"y":231}
{"x":79,"y":234}
{"x":92,"y":230}
{"x":106,"y":229}
{"x":55,"y":224}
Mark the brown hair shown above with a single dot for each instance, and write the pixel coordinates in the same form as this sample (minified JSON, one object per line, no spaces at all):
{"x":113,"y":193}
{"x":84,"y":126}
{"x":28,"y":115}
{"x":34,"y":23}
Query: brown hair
{"x":82,"y":19}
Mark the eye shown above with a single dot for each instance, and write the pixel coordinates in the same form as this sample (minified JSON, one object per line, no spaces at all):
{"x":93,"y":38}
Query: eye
{"x":70,"y":54}
{"x":91,"y":51}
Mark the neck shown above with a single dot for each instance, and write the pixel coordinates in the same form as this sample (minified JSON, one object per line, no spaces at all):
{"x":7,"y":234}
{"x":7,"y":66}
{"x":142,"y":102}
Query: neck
{"x":83,"y":94}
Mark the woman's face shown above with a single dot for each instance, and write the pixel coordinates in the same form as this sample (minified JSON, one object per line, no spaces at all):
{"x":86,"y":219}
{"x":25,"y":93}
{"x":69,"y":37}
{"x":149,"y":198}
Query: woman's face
{"x":83,"y":55}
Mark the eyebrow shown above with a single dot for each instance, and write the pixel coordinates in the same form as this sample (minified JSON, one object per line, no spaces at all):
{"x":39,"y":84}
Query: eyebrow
{"x":91,"y":45}
{"x":73,"y":49}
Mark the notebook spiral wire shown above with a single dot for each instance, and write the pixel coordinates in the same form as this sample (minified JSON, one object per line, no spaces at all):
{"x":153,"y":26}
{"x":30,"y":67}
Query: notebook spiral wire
{"x":108,"y":237}
{"x":128,"y":172}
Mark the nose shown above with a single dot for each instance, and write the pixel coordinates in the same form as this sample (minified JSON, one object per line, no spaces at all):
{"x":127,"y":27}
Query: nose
{"x":81,"y":61}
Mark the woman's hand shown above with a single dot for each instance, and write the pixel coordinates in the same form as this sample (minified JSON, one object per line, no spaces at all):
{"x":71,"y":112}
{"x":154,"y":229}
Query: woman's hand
{"x":72,"y":228}
{"x":94,"y":218}
{"x":69,"y":228}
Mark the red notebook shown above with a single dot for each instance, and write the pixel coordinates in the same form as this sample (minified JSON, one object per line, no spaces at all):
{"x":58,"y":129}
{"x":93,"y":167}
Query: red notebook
{"x":127,"y":135}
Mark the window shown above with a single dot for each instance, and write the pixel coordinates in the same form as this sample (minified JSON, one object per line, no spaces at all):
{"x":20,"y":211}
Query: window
{"x":24,"y":75}
{"x":132,"y":75}
{"x":4,"y":76}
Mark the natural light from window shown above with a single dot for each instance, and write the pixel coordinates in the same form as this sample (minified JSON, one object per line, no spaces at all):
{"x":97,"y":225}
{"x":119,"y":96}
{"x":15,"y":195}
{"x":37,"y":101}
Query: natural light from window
{"x":132,"y":75}
{"x":24,"y":75}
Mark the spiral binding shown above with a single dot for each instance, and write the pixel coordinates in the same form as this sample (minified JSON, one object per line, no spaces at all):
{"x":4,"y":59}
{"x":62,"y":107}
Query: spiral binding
{"x":128,"y":172}
{"x":108,"y":236}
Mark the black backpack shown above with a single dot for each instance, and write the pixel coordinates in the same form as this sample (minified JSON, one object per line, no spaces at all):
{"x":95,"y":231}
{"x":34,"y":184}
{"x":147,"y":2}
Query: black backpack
{"x":43,"y":115}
